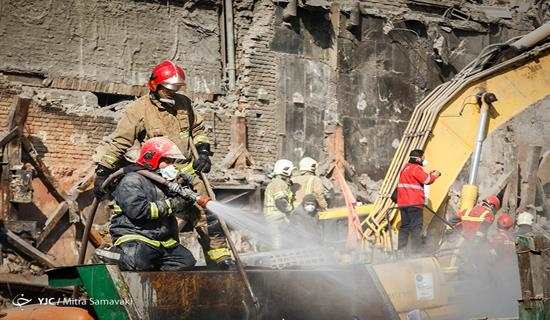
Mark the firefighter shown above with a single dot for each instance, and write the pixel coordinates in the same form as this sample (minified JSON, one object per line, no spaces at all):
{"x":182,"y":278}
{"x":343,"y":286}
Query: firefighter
{"x":525,"y":223}
{"x":304,"y":222}
{"x":143,"y":226}
{"x":309,"y":183}
{"x":503,"y":241}
{"x":278,"y":200}
{"x":476,"y":221}
{"x":164,"y":112}
{"x":410,"y":199}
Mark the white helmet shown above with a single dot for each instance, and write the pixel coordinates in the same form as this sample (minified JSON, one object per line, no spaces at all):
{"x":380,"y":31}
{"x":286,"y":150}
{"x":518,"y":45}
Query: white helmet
{"x":308,"y":164}
{"x":283,"y":167}
{"x":525,"y":218}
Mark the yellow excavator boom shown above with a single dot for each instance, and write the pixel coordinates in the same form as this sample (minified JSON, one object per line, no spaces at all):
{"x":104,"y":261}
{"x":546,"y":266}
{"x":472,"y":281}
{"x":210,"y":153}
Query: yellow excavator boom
{"x":445,"y":123}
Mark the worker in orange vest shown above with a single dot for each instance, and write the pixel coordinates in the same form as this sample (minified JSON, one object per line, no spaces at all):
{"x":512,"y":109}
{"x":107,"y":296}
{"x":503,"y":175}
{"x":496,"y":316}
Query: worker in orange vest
{"x":476,"y":221}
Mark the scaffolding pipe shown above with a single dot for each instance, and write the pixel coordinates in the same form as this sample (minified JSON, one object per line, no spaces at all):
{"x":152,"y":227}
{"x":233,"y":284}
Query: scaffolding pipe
{"x":486,"y":100}
{"x":230,"y":43}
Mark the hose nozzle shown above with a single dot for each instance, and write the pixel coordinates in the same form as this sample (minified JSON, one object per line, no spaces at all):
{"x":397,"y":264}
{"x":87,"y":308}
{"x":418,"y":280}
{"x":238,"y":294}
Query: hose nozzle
{"x":202,"y":200}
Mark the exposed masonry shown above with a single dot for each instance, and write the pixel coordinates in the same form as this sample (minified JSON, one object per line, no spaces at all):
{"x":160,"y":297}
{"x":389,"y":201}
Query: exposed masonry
{"x":368,"y":80}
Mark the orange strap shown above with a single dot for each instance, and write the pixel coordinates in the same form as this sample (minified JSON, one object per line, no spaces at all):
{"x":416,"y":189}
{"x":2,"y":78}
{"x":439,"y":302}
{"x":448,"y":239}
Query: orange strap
{"x":481,"y":218}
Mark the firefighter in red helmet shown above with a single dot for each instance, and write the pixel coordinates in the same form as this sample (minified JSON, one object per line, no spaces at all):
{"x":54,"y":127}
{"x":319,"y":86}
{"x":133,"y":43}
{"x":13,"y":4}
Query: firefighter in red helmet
{"x":476,"y":221}
{"x":143,"y":225}
{"x":164,"y":112}
{"x":503,"y":240}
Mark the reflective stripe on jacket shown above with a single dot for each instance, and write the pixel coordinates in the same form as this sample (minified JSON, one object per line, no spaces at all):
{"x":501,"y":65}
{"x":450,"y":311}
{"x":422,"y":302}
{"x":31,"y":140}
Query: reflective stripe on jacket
{"x":309,"y":183}
{"x":277,"y":188}
{"x":146,"y":118}
{"x":477,"y":219}
{"x":410,"y":189}
{"x":136,"y":214}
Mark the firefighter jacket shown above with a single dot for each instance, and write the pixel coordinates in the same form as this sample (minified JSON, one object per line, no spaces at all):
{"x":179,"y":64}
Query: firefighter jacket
{"x":136,"y":213}
{"x":476,"y":221}
{"x":146,"y":118}
{"x":278,"y":188}
{"x":308,"y":183}
{"x":410,"y":189}
{"x":504,"y":244}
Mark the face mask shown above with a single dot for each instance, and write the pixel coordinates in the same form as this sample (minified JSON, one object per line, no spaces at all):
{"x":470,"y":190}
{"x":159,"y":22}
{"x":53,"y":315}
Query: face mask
{"x":170,"y":102}
{"x":169,"y":173}
{"x":309,"y":208}
{"x":424,"y":162}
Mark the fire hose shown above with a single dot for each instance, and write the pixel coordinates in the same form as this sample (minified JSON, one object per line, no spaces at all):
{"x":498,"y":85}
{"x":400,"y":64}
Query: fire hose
{"x":185,"y":192}
{"x":223,"y":225}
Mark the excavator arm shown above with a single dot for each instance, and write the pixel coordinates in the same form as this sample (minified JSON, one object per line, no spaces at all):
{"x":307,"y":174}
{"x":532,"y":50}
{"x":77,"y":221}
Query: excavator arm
{"x":445,"y":123}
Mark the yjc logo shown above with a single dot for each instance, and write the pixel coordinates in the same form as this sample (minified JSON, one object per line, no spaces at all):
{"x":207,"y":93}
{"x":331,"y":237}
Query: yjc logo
{"x":20,"y":300}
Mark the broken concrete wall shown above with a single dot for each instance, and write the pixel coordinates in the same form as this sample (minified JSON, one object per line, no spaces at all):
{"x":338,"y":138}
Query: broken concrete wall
{"x":110,"y":41}
{"x":383,"y":69}
{"x":507,"y":147}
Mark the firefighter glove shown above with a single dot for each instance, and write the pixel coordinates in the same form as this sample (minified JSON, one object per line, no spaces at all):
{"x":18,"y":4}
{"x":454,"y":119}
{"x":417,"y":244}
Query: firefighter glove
{"x":101,"y":174}
{"x":172,"y":205}
{"x":283,"y":205}
{"x":227,"y":264}
{"x":203,"y":163}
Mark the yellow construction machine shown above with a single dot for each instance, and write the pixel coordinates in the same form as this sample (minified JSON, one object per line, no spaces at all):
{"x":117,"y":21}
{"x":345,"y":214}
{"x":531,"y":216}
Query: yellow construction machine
{"x":450,"y":125}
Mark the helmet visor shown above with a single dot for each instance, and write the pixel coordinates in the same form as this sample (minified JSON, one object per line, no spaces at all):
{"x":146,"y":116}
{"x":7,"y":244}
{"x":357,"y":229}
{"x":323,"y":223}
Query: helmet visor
{"x":174,"y":153}
{"x":172,"y":87}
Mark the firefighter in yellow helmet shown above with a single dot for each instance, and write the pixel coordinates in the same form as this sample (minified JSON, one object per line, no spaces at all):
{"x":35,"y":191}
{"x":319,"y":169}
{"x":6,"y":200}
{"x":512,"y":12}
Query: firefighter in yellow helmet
{"x":166,"y":113}
{"x":309,"y":183}
{"x":278,"y":199}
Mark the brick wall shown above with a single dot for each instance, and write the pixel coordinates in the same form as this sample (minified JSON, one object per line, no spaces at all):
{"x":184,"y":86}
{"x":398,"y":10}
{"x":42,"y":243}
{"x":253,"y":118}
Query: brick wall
{"x":66,"y":142}
{"x":258,"y":70}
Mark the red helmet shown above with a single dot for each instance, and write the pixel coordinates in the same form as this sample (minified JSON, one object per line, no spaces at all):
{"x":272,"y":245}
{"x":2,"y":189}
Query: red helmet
{"x":155,"y":149}
{"x":505,"y":221}
{"x":168,"y":74}
{"x":492,"y":200}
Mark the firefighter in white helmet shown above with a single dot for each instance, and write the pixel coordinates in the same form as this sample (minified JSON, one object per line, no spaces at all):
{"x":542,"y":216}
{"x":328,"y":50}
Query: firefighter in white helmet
{"x":309,"y":183}
{"x":278,"y":199}
{"x":524,"y":222}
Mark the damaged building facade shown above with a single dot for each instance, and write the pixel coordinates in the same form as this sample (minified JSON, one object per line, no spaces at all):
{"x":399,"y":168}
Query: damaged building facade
{"x":302,"y":69}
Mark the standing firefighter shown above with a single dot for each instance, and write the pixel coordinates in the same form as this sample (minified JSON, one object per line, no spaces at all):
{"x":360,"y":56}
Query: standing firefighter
{"x":476,"y":221}
{"x":410,"y":199}
{"x":278,"y":199}
{"x":143,"y":227}
{"x":309,"y":183}
{"x":164,"y":112}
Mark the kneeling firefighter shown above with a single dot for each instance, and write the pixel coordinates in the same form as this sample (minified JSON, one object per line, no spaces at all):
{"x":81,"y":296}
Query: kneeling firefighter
{"x":144,"y":227}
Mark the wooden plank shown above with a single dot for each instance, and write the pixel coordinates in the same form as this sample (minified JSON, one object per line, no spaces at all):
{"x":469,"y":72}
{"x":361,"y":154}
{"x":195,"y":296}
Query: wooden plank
{"x":26,"y":248}
{"x":44,"y":242}
{"x":544,"y":200}
{"x":52,"y":222}
{"x":11,"y":154}
{"x":7,"y":136}
{"x":529,"y":177}
{"x":42,"y":171}
{"x":510,"y":200}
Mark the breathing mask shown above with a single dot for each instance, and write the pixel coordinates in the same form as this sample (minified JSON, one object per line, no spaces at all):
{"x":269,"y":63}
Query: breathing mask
{"x":310,"y":208}
{"x":169,"y":172}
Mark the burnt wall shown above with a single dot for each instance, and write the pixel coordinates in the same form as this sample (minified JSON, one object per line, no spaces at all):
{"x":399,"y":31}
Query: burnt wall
{"x":111,"y":41}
